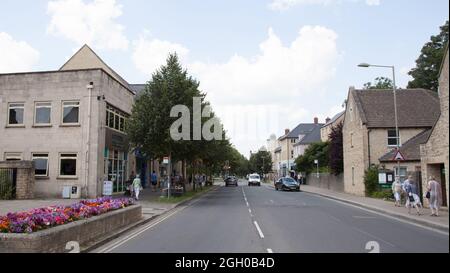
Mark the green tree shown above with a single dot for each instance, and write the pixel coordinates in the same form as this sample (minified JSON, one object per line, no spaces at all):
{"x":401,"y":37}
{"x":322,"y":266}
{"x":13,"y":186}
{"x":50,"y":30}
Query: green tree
{"x":261,"y":162}
{"x":316,"y":151}
{"x":426,"y":73}
{"x":380,"y":83}
{"x":336,"y":150}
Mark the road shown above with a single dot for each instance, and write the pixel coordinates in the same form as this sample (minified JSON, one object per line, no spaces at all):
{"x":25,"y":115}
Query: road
{"x":260,"y":220}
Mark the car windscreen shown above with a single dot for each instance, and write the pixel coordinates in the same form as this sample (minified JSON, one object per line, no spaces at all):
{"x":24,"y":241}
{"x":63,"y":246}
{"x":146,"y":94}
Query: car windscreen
{"x":254,"y":176}
{"x":289,"y":181}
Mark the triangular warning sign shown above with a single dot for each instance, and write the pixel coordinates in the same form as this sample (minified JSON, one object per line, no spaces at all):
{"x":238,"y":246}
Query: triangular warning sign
{"x":398,"y":156}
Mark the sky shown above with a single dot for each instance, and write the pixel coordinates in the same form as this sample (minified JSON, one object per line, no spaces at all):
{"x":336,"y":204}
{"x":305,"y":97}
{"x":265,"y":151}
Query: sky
{"x":266,"y":65}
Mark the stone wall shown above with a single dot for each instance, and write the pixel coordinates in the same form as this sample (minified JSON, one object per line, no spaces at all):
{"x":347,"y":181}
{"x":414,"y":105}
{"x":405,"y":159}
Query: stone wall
{"x":54,"y":240}
{"x":24,"y":177}
{"x":326,"y":181}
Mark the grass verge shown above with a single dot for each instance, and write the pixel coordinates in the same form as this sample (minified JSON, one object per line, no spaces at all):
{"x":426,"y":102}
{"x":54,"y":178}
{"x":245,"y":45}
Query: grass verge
{"x":186,"y":196}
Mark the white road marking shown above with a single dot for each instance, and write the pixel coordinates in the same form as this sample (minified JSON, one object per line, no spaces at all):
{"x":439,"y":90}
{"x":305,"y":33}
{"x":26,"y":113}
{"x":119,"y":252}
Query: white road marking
{"x":364,"y":217}
{"x":259,"y":230}
{"x":269,"y":250}
{"x":250,"y":210}
{"x":373,"y":236}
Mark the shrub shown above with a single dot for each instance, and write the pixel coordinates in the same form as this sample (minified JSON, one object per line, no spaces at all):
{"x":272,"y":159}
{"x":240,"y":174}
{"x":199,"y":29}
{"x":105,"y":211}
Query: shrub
{"x":371,"y":180}
{"x":385,"y":194}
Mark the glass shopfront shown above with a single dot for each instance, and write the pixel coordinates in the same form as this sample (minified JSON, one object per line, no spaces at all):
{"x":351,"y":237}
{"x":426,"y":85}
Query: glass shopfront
{"x":116,"y":164}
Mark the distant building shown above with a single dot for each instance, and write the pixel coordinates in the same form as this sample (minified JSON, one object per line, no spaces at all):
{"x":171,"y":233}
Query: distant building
{"x":329,"y":125}
{"x":369,"y":133}
{"x":287,"y":151}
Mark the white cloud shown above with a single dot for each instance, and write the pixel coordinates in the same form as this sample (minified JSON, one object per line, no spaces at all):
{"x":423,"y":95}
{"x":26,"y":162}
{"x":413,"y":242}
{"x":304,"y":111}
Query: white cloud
{"x":279,"y":87}
{"x":150,"y":54}
{"x":286,"y":4}
{"x":16,"y":56}
{"x":90,"y":22}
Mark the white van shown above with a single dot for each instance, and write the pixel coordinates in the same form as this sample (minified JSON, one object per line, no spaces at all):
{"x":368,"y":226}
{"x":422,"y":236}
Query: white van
{"x":254,"y":179}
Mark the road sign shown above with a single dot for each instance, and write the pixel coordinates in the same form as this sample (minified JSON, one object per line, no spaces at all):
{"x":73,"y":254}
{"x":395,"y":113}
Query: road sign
{"x":166,"y":160}
{"x":398,"y":156}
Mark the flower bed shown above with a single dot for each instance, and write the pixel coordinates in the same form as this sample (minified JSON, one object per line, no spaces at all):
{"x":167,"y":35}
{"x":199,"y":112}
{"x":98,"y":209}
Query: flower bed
{"x":44,"y":218}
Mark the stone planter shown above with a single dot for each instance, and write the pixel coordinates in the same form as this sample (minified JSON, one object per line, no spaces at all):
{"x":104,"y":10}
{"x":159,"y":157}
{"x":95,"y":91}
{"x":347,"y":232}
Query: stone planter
{"x":54,"y":240}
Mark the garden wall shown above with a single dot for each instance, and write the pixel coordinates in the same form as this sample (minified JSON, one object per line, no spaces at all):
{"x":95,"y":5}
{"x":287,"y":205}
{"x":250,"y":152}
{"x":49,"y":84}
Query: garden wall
{"x":326,"y":181}
{"x":54,"y":240}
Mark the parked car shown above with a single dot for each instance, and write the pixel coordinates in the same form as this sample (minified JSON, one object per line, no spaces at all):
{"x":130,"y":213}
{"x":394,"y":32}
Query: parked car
{"x":287,"y":183}
{"x":254,"y":179}
{"x":231,"y":181}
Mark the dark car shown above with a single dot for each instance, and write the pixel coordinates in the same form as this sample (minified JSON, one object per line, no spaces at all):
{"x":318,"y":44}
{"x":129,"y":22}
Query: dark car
{"x":287,"y":183}
{"x":231,"y":181}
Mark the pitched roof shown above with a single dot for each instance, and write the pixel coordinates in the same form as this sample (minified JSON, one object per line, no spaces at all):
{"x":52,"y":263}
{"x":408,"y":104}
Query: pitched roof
{"x":301,"y":129}
{"x":410,"y":149}
{"x":416,"y":107}
{"x":312,"y":137}
{"x":86,"y":58}
{"x":336,"y":117}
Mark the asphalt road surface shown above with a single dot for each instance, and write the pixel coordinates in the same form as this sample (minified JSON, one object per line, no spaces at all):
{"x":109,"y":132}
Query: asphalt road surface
{"x":259,"y":219}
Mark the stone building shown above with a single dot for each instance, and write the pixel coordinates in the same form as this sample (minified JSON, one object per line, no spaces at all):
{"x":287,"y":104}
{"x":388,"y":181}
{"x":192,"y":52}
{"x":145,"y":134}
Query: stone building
{"x":329,"y":125}
{"x":369,"y":130}
{"x":434,"y":152}
{"x":70,"y":122}
{"x":288,"y":150}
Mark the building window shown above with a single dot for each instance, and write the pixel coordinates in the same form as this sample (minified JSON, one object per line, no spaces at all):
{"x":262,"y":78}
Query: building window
{"x":403,"y":173}
{"x":392,"y":137}
{"x":115,"y":119}
{"x":351,"y":140}
{"x":42,"y":113}
{"x":292,"y":154}
{"x":71,"y":112}
{"x":15,"y":113}
{"x":68,"y":165}
{"x":13,"y":156}
{"x":40,"y":165}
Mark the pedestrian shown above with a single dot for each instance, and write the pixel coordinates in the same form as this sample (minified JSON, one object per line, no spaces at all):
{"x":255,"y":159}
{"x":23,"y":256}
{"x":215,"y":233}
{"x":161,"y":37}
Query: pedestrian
{"x":154,"y":181}
{"x":405,"y":186}
{"x":137,"y":187}
{"x":435,"y":196}
{"x":412,"y":196}
{"x":397,"y":191}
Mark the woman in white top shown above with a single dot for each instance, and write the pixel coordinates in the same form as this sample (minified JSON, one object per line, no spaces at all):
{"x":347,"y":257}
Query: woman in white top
{"x":397,"y":191}
{"x":435,"y":196}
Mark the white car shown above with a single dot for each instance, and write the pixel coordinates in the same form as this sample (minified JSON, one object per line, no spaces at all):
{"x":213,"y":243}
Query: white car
{"x":254,"y":179}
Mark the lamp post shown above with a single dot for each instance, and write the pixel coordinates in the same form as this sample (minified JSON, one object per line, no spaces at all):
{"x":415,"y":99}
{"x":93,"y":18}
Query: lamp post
{"x":366,"y":65}
{"x":317,"y":164}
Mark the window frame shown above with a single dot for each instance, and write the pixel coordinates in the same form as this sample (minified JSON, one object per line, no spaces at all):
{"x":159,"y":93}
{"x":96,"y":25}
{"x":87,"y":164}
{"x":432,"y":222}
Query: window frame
{"x":397,"y":137}
{"x":63,"y":106}
{"x":115,"y":119}
{"x":40,"y":156}
{"x":35,"y":113}
{"x":62,"y":156}
{"x":13,"y":156}
{"x":9,"y":114}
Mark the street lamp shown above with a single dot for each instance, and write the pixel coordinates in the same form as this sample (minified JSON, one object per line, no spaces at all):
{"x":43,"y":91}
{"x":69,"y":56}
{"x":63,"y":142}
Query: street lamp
{"x":366,"y":65}
{"x":317,"y":164}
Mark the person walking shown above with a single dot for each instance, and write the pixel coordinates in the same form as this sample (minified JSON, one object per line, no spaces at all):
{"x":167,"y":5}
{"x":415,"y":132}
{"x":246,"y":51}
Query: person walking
{"x":405,"y":186}
{"x":154,"y":181}
{"x":397,"y":191}
{"x":412,"y":196}
{"x":434,"y":190}
{"x":137,"y":187}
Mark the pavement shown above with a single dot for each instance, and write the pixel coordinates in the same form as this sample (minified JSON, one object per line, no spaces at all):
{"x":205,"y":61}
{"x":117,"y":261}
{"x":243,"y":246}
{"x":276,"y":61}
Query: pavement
{"x":261,"y":220}
{"x":386,"y":207}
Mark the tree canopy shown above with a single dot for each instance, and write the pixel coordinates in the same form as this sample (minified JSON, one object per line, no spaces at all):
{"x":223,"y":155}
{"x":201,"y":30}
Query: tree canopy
{"x":426,"y":73}
{"x":380,"y":83}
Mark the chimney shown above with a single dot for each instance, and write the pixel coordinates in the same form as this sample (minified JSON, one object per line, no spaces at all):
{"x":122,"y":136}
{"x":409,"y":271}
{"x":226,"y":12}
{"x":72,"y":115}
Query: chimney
{"x":286,"y":131}
{"x":327,"y":120}
{"x":316,"y":120}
